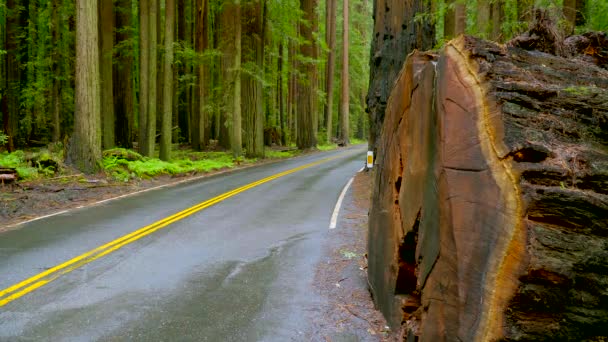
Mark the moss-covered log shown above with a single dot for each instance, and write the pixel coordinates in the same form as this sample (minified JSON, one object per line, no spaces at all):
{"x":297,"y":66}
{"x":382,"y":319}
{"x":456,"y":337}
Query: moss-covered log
{"x":489,"y":218}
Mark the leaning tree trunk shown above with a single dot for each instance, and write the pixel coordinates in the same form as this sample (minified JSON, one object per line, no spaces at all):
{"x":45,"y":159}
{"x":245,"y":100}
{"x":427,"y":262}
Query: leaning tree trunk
{"x":85,"y":146}
{"x":489,"y":218}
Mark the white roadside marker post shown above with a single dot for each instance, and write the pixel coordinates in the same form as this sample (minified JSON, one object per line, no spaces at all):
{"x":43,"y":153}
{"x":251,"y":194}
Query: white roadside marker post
{"x":370,"y":159}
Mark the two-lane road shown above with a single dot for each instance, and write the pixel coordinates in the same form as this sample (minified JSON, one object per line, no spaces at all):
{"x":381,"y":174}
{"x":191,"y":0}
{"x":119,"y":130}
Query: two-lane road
{"x":193,"y":262}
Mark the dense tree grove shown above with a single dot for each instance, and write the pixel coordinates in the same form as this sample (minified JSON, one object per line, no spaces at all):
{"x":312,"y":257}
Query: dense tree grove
{"x":402,"y":26}
{"x":232,"y":74}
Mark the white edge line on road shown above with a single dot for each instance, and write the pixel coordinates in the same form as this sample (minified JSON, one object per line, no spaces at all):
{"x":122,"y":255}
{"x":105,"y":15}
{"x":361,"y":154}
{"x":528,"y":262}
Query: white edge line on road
{"x":334,"y":217}
{"x":363,"y":168}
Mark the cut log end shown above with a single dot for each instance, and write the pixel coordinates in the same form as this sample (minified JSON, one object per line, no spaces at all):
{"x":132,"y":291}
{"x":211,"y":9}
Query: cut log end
{"x":497,"y":158}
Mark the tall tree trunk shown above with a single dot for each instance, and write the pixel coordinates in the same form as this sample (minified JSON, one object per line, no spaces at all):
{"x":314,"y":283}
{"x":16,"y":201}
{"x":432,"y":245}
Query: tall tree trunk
{"x":167,"y":117}
{"x":484,"y":17}
{"x":124,"y":97}
{"x":153,"y":82}
{"x":449,"y":20}
{"x":461,"y":18}
{"x":2,"y":64}
{"x":397,"y":33}
{"x":55,"y":70}
{"x":159,"y":61}
{"x":237,"y":142}
{"x":280,"y":93}
{"x":10,"y":101}
{"x":106,"y":37}
{"x":183,"y":35}
{"x":497,"y":19}
{"x":291,"y":89}
{"x":85,"y":147}
{"x":304,"y":113}
{"x":228,"y":49}
{"x":314,"y":73}
{"x":200,"y":118}
{"x":331,"y":66}
{"x":144,"y":75}
{"x":569,"y":9}
{"x":175,"y":90}
{"x":345,"y":93}
{"x":148,"y":74}
{"x":252,"y":95}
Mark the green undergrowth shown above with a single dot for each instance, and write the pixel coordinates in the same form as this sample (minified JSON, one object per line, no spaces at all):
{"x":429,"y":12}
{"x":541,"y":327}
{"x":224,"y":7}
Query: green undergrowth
{"x":123,"y":165}
{"x":274,"y":154}
{"x":32,"y":165}
{"x":327,"y":147}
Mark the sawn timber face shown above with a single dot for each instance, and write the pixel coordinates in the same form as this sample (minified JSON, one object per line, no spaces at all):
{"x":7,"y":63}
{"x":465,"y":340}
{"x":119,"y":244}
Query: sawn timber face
{"x":483,"y":202}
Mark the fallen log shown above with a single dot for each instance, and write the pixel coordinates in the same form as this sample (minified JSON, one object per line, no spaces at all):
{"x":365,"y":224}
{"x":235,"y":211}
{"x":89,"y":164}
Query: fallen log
{"x":489,"y":216}
{"x":7,"y":175}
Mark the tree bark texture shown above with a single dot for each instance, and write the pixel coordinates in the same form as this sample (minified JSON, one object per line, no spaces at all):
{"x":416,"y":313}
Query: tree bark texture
{"x":167,"y":117}
{"x":10,"y":100}
{"x":331,"y":65}
{"x":85,"y":146}
{"x":304,"y":112}
{"x":345,"y":89}
{"x":449,"y":20}
{"x":56,"y":74}
{"x":396,"y":34}
{"x":489,"y":218}
{"x":237,"y":133}
{"x":124,"y":103}
{"x":253,"y":53}
{"x":144,"y":75}
{"x":200,"y":117}
{"x":228,"y":49}
{"x":106,"y":37}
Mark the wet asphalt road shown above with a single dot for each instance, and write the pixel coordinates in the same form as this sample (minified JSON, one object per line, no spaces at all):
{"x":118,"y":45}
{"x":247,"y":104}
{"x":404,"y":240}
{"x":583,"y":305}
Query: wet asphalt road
{"x":241,"y":270}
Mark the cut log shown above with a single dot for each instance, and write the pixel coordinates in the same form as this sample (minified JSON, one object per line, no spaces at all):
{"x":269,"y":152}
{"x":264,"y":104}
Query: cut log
{"x":489,"y":216}
{"x":7,"y":175}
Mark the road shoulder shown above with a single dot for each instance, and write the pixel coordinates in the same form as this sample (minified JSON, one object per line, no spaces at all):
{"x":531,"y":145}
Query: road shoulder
{"x":348,"y":313}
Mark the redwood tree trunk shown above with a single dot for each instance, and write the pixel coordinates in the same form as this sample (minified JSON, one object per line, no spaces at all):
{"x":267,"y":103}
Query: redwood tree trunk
{"x":304,"y":112}
{"x":85,"y":147}
{"x":345,"y":89}
{"x":106,"y":37}
{"x":124,"y":102}
{"x":331,"y":66}
{"x":56,"y":87}
{"x":167,"y":117}
{"x":237,"y":136}
{"x":397,"y":32}
{"x":253,"y":96}
{"x":144,"y":75}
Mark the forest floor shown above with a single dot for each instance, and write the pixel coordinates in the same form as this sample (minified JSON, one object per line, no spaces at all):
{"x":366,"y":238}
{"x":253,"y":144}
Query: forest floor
{"x":349,"y":313}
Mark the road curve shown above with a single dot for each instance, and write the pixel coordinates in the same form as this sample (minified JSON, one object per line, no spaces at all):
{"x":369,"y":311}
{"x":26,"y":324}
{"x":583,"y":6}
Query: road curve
{"x":239,"y":270}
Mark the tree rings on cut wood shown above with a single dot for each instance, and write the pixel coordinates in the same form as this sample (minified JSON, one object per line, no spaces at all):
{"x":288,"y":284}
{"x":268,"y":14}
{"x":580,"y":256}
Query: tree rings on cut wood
{"x":489,"y":217}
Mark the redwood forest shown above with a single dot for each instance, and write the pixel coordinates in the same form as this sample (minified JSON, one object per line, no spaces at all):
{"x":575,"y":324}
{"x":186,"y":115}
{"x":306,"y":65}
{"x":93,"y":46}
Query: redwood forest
{"x":479,"y":214}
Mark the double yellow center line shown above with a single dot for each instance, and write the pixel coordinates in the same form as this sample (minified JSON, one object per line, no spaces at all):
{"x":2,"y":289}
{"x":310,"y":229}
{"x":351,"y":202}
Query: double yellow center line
{"x":31,"y":284}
